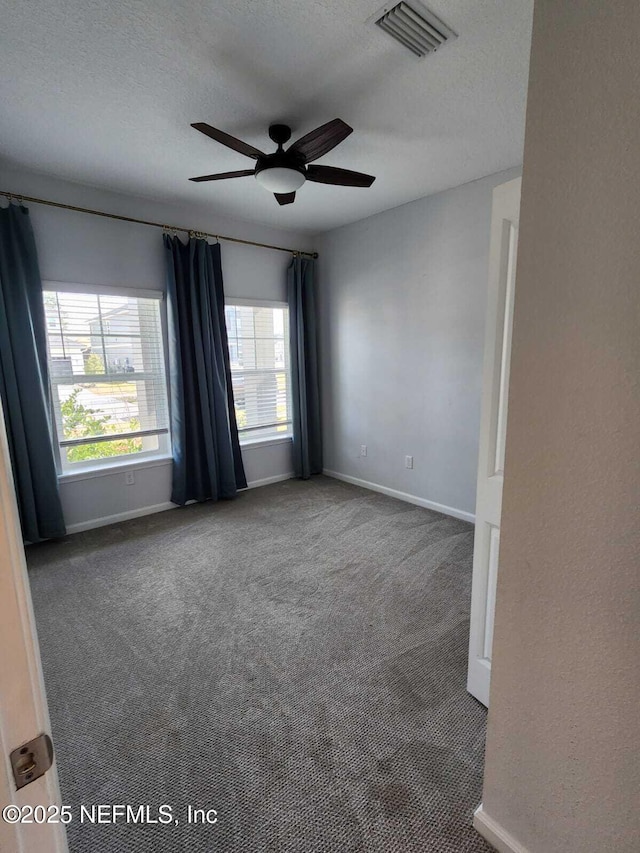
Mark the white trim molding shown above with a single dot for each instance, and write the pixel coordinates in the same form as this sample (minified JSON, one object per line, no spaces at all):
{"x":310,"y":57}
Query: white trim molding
{"x":119,"y":516}
{"x":495,"y":834}
{"x":248,"y":302}
{"x":254,"y":444}
{"x":93,"y":523}
{"x":111,"y":470}
{"x":266,"y":481}
{"x":107,"y":290}
{"x":402,"y":496}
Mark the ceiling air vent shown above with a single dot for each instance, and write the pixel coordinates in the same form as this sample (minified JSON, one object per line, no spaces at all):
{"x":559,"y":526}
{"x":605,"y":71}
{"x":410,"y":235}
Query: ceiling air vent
{"x":415,"y":27}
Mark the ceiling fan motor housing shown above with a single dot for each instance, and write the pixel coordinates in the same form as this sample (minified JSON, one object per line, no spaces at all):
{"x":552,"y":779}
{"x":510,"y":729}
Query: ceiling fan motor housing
{"x":281,"y":160}
{"x":279,"y":133}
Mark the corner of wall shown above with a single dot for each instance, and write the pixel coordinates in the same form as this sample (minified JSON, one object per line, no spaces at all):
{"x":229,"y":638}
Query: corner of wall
{"x":495,"y":834}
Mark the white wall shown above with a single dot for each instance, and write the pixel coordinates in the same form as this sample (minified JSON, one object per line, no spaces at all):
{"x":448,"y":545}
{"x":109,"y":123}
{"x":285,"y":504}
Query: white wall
{"x":402,"y":302}
{"x":562,"y":769}
{"x":77,"y":247}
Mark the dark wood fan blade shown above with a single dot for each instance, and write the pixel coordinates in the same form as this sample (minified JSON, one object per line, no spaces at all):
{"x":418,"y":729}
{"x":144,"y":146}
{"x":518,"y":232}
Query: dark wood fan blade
{"x":221,"y":176}
{"x":341,"y":177}
{"x":285,"y":198}
{"x":229,"y":141}
{"x":321,"y":140}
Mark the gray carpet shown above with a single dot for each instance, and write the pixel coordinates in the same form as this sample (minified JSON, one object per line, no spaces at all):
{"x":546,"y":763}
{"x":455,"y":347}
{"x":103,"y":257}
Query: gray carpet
{"x":294,"y":659}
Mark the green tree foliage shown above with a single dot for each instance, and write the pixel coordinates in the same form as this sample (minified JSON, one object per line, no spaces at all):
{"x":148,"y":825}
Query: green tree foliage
{"x":78,"y":421}
{"x":94,"y":363}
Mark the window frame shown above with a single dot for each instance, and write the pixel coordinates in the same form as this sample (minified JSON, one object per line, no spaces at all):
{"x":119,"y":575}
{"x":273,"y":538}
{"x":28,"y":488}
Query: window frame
{"x":71,"y":470}
{"x":265,"y":440}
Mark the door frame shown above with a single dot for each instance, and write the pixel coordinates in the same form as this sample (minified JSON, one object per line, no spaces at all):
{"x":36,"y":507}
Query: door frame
{"x":24,"y":713}
{"x":503,"y":251}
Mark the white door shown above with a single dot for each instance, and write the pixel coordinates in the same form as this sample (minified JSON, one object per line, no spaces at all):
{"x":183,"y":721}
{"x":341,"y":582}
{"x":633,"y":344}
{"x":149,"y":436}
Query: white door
{"x":23,"y":705}
{"x":493,"y":427}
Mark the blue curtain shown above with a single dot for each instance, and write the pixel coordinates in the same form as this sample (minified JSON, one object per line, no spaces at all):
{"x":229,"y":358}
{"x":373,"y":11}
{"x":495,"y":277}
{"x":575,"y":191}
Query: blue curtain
{"x":24,"y":384}
{"x":305,"y":386}
{"x":207,"y":463}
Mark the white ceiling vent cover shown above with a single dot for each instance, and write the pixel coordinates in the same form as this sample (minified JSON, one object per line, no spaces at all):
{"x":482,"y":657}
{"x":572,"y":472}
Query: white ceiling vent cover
{"x":415,"y":27}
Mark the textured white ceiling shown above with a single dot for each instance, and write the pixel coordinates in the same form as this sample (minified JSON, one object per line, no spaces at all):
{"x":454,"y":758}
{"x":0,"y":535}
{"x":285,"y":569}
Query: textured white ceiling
{"x":103,"y":92}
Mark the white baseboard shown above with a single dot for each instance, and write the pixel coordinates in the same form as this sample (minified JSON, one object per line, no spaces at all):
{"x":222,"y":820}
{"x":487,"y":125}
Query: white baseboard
{"x":119,"y":516}
{"x":255,"y":484}
{"x":402,"y":496}
{"x":149,"y":510}
{"x":495,"y":834}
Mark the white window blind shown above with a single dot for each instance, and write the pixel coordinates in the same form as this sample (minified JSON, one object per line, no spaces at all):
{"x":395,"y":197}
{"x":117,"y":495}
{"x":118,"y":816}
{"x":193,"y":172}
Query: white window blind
{"x":107,"y":373}
{"x":260,"y":369}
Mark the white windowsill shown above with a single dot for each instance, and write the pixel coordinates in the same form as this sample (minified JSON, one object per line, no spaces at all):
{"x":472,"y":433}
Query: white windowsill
{"x":116,"y":468}
{"x":248,"y":444}
{"x":153,"y":462}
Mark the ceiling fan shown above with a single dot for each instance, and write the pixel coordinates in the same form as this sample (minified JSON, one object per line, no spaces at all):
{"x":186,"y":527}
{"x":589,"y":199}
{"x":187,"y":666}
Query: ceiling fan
{"x":284,"y":172}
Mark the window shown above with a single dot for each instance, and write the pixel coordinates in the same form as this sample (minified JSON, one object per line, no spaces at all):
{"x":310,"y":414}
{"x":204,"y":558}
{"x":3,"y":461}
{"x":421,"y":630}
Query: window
{"x":259,"y":352}
{"x":107,"y":373}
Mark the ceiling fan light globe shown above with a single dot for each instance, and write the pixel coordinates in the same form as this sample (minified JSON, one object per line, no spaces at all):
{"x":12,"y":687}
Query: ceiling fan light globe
{"x":279,"y":179}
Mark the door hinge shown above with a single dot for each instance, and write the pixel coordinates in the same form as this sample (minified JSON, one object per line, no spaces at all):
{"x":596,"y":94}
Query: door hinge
{"x":31,"y":760}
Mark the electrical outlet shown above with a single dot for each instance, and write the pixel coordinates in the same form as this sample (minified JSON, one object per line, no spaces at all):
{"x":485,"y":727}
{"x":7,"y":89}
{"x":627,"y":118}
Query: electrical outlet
{"x":408,"y":461}
{"x":363,"y":450}
{"x":129,"y":478}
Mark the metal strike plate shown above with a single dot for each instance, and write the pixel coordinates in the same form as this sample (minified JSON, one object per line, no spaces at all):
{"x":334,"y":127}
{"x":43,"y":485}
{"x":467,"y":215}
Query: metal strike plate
{"x":31,"y":760}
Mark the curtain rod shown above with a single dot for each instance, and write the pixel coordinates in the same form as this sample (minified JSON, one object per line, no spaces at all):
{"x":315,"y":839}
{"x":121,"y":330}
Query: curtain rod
{"x":190,"y":231}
